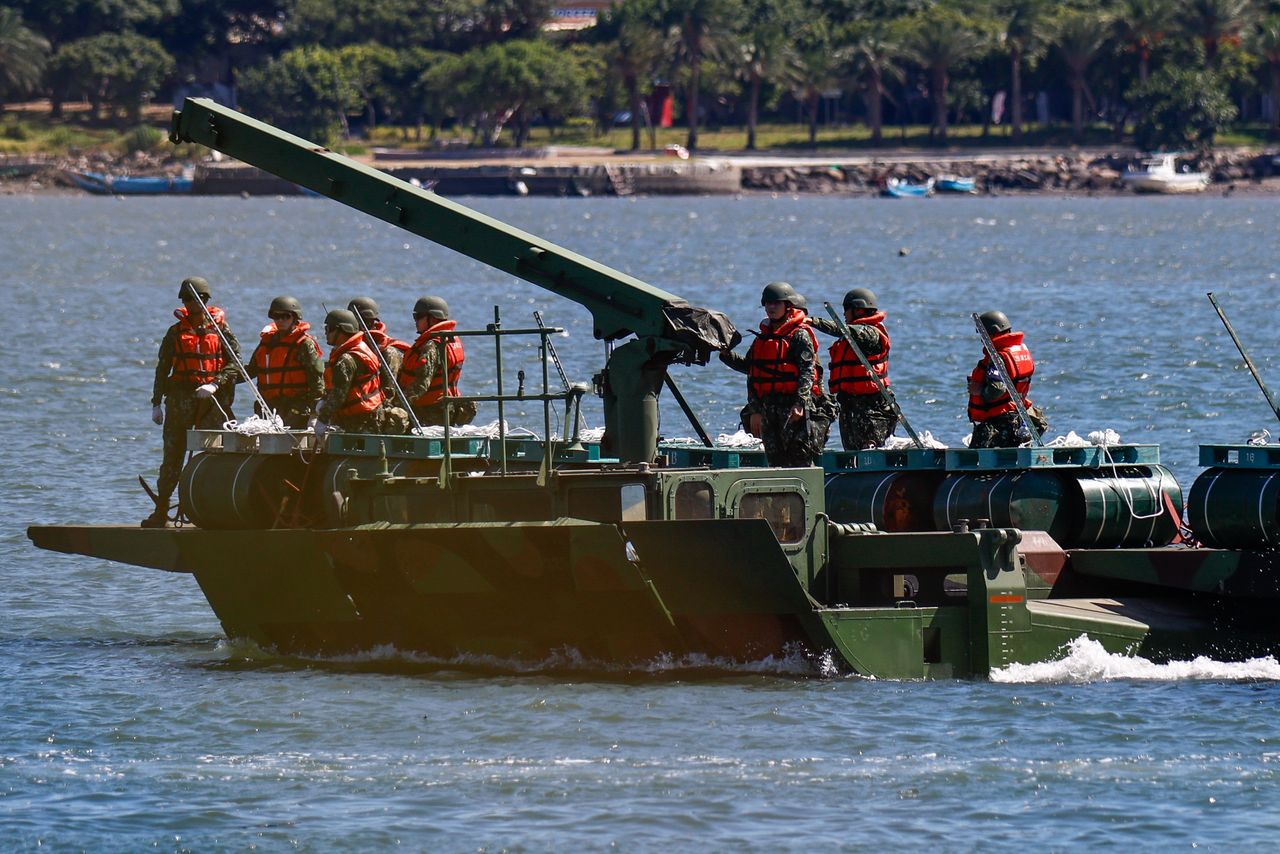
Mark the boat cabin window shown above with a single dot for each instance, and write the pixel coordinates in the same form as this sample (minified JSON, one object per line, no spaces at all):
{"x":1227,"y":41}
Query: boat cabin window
{"x":784,"y":511}
{"x":694,"y":500}
{"x":608,"y":503}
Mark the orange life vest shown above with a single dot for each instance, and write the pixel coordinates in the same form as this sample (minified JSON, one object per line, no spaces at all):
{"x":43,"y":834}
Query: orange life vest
{"x":365,"y":394}
{"x":847,"y":374}
{"x":198,"y":356}
{"x":381,"y":340}
{"x":279,"y":364}
{"x":454,"y":357}
{"x":770,"y":371}
{"x":1019,"y":364}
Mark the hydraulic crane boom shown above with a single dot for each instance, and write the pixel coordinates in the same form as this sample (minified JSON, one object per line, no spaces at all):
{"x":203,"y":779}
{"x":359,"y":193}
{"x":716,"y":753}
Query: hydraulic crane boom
{"x":667,"y":328}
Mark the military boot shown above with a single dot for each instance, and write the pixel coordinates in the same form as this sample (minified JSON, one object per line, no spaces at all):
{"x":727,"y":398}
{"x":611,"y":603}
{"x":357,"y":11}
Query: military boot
{"x":159,"y":518}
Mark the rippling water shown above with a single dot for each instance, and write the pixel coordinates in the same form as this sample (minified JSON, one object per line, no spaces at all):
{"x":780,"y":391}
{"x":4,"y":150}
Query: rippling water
{"x":128,"y":722}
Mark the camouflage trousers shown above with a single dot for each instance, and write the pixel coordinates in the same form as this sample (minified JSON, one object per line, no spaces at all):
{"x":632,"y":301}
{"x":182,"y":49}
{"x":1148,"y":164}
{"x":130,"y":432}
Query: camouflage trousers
{"x":183,"y":412}
{"x":295,"y":412}
{"x":787,"y":442}
{"x":866,"y":421}
{"x":385,"y":420}
{"x":1007,"y":431}
{"x":433,"y":415}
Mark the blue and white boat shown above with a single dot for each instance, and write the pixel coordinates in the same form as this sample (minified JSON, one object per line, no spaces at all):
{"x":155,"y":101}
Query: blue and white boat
{"x":896,"y":188}
{"x":954,"y":184}
{"x":111,"y":185}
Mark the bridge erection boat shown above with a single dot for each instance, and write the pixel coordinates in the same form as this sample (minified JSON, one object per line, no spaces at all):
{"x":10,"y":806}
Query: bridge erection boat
{"x":910,"y":563}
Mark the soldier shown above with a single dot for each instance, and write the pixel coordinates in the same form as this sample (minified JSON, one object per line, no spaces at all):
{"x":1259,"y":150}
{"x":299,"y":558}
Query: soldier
{"x":996,"y":423}
{"x":392,"y":349}
{"x":288,"y":364}
{"x":196,"y":382}
{"x":424,"y":380}
{"x":866,"y":418}
{"x":354,"y":400}
{"x":781,"y":369}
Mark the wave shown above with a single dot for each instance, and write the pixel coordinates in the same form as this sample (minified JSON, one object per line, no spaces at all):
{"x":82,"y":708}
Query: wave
{"x":242,"y":653}
{"x":1087,"y":661}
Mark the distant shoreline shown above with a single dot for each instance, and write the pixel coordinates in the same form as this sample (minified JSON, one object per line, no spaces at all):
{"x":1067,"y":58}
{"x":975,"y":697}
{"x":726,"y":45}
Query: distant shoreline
{"x":564,"y":172}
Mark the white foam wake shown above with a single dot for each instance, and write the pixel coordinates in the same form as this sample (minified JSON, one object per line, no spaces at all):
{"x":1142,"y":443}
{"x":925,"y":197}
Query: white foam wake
{"x":1087,"y":661}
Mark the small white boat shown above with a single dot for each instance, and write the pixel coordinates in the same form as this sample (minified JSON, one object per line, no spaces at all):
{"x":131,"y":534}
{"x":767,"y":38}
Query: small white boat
{"x":1160,"y":174}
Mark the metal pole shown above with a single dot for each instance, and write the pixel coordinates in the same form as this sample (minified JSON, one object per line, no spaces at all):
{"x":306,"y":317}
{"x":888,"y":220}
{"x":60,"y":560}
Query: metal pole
{"x":688,"y":410}
{"x":497,"y":359}
{"x":993,"y":355}
{"x":382,"y":360}
{"x":1253,"y":369}
{"x":884,"y":390}
{"x":555,"y":358}
{"x":267,"y":411}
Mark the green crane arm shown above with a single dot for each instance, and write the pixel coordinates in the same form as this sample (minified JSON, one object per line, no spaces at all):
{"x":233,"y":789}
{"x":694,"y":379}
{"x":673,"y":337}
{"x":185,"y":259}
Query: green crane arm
{"x":666,"y":327}
{"x":619,"y":304}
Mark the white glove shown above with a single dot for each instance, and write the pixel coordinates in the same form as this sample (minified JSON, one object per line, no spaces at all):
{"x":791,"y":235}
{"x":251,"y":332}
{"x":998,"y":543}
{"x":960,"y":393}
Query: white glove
{"x":320,"y":429}
{"x":206,"y":390}
{"x":157,"y":414}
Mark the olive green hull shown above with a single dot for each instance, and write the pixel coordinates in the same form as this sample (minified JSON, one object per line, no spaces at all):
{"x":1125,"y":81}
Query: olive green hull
{"x":634,"y":593}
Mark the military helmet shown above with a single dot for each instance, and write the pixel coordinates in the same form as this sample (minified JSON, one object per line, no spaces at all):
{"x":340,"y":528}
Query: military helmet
{"x":283,"y":304}
{"x":777,"y":292}
{"x":995,"y":322}
{"x":341,"y":320}
{"x":431,"y":307}
{"x":860,"y":298}
{"x":365,"y":307}
{"x":800,"y":302}
{"x":197,"y":283}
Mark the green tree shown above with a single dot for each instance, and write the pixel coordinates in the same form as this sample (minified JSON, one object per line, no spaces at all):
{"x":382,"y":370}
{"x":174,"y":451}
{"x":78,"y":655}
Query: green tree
{"x":1181,"y":107}
{"x":1024,"y":26}
{"x":697,"y":28}
{"x":118,"y":70}
{"x":307,"y":91}
{"x":632,"y":49}
{"x":368,"y":68}
{"x":23,"y":55}
{"x":761,"y":51}
{"x":1265,"y":41}
{"x":1141,"y":26}
{"x":874,"y":55}
{"x":63,"y":21}
{"x":939,"y":38}
{"x":816,"y":67}
{"x":510,"y":82}
{"x":1080,"y":36}
{"x":1215,"y":22}
{"x":404,"y":96}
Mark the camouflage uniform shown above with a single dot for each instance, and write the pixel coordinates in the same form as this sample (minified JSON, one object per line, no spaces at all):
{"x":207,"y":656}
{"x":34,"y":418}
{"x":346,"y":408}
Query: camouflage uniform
{"x":866,"y":420}
{"x":788,"y":443}
{"x":296,"y":411}
{"x":184,"y":411}
{"x":1007,"y":431}
{"x":386,"y":419}
{"x":433,"y":415}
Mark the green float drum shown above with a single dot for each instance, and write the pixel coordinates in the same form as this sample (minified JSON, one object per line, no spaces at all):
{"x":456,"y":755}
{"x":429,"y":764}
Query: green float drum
{"x":1127,"y":507}
{"x":1030,"y":499}
{"x":1236,"y":508}
{"x":238,"y":491}
{"x":893,"y":501}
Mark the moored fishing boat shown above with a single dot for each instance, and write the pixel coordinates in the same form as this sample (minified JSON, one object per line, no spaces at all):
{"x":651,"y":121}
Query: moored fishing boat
{"x":103,"y":184}
{"x":1160,"y":174}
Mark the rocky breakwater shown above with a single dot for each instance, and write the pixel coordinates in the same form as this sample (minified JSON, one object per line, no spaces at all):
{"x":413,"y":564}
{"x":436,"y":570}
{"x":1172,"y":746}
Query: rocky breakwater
{"x":1081,"y":173}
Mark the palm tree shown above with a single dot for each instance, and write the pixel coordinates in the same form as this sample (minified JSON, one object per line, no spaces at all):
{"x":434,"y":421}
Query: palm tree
{"x":874,"y":56}
{"x":633,"y":51}
{"x":1079,"y":36}
{"x":761,"y":52}
{"x":1141,"y":25}
{"x":22,"y":55}
{"x":1214,"y":22}
{"x":814,"y":69}
{"x":1266,"y":43}
{"x":938,"y":38}
{"x":1024,"y":24}
{"x":697,"y":29}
